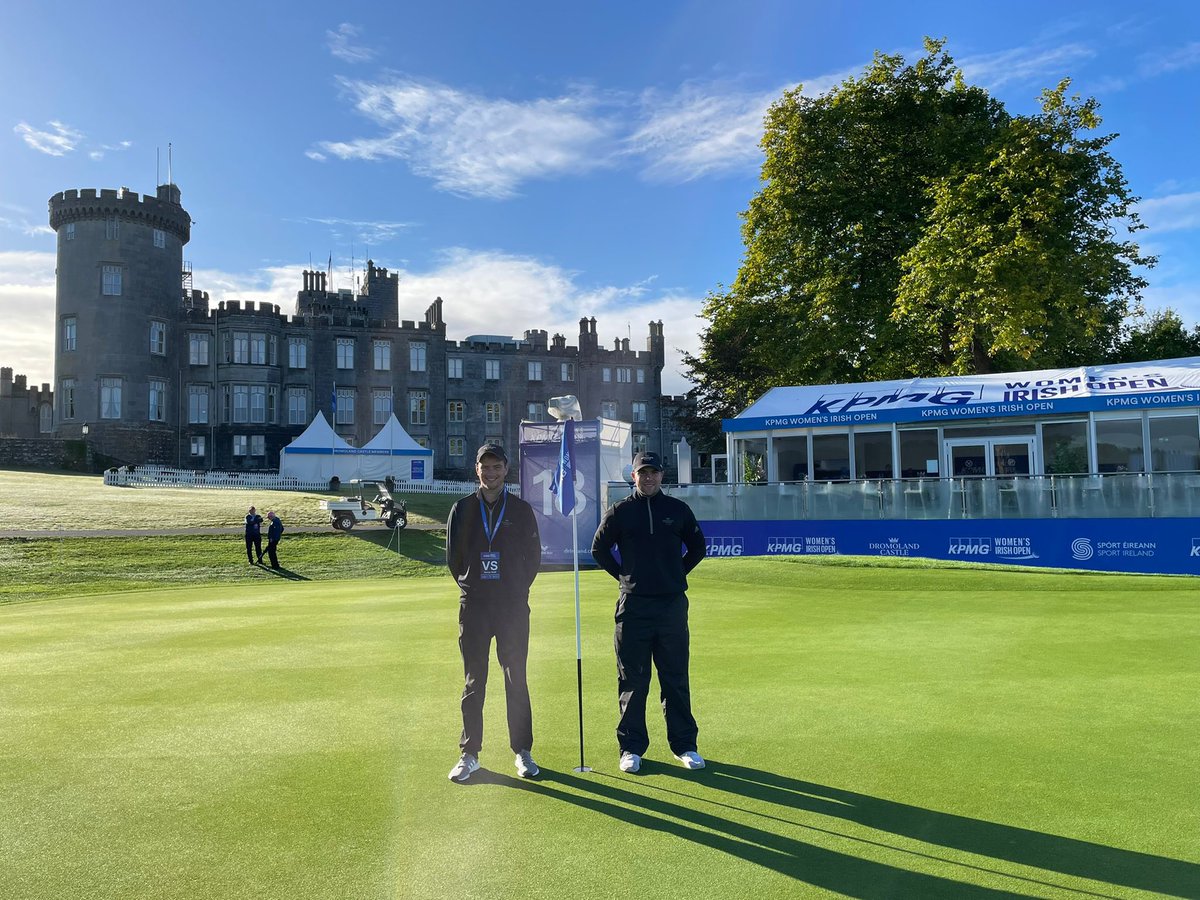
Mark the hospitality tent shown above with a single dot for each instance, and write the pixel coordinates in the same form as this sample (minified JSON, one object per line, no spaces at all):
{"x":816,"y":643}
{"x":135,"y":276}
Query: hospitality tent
{"x":319,"y":454}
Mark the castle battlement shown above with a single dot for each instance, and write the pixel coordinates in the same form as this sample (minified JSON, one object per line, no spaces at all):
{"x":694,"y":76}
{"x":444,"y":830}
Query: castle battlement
{"x":162,"y":211}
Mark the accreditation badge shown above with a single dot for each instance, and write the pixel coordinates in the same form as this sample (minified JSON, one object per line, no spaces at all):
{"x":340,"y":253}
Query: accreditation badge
{"x":489,"y":565}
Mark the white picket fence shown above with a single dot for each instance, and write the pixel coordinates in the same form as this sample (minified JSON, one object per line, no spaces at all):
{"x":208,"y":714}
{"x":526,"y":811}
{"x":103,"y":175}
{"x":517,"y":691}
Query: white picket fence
{"x":166,"y":477}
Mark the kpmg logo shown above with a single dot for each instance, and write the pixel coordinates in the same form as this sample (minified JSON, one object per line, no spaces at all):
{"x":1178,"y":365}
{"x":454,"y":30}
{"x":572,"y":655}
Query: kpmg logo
{"x":841,"y":403}
{"x":724,"y":546}
{"x":783,"y":545}
{"x":970,"y":546}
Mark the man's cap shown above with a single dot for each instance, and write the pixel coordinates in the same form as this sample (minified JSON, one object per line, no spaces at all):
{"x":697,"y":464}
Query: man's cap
{"x":491,"y":450}
{"x":647,"y":460}
{"x":251,"y":509}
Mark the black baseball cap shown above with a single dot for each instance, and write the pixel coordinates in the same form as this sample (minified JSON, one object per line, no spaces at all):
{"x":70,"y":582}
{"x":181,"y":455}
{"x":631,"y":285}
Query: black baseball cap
{"x":647,"y":460}
{"x":491,"y":450}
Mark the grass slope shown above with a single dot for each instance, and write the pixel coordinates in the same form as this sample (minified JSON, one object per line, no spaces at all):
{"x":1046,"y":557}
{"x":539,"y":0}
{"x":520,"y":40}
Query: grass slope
{"x":890,"y":731}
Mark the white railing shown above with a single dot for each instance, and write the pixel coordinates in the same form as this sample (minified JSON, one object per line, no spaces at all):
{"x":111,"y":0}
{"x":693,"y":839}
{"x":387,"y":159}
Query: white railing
{"x":166,"y":477}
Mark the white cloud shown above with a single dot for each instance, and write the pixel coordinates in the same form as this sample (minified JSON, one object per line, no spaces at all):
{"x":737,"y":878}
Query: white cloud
{"x":60,"y":141}
{"x":497,"y":293}
{"x":27,"y":310}
{"x":1184,"y":58}
{"x":342,"y":44}
{"x":1044,"y":66}
{"x":370,"y":233}
{"x":471,"y":145}
{"x":1176,"y":212}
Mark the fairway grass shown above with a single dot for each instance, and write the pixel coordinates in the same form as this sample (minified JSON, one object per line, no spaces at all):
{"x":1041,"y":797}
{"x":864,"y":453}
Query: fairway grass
{"x":889,"y":731}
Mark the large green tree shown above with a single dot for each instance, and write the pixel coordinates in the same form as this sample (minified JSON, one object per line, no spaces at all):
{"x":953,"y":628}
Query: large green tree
{"x":907,"y":224}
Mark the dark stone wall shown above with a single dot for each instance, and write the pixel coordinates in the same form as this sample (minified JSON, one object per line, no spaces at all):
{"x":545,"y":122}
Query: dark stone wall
{"x":46,"y":453}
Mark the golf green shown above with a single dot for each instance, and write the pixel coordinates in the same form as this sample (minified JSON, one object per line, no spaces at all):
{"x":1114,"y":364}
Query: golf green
{"x":872,"y":731}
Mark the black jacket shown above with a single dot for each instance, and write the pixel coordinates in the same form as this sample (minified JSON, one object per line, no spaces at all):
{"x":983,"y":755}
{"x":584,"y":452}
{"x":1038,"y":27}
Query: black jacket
{"x":516,"y":540}
{"x":650,"y":533}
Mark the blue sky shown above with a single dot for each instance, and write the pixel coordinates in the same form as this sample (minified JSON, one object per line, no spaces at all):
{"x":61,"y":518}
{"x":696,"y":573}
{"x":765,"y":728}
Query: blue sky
{"x":529,"y":163}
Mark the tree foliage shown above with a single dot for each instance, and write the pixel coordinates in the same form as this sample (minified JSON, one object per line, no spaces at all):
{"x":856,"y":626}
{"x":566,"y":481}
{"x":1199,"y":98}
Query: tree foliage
{"x":907,"y":225}
{"x":1160,"y":335}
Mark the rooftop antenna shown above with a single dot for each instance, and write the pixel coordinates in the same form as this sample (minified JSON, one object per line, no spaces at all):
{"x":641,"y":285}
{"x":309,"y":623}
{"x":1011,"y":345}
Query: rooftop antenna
{"x":170,"y":177}
{"x":157,"y":166}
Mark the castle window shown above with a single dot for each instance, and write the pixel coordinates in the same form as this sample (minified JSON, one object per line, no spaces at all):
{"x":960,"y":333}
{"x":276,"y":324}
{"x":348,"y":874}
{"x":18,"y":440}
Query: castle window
{"x":110,"y":398}
{"x":416,"y":356}
{"x":45,"y":418}
{"x":639,"y":443}
{"x":197,"y":404}
{"x":258,"y":403}
{"x":241,"y":403}
{"x":258,"y":445}
{"x":535,"y":371}
{"x":606,"y":374}
{"x":273,"y":350}
{"x":537,"y":412}
{"x":112,"y":228}
{"x":258,"y":349}
{"x":418,"y":407}
{"x":158,"y":338}
{"x":566,"y":372}
{"x":297,"y":353}
{"x":239,"y":445}
{"x":158,"y":400}
{"x":69,"y":232}
{"x":272,"y":404}
{"x":345,"y":353}
{"x":198,"y":446}
{"x":641,"y":376}
{"x":456,"y":411}
{"x":160,"y":238}
{"x":381,"y":406}
{"x":241,"y":347}
{"x":383,"y":355}
{"x":457,"y":447}
{"x":608,"y":409}
{"x":454,"y":367}
{"x":197,"y":349}
{"x":624,"y":375}
{"x":66,"y":398}
{"x":68,"y":333}
{"x":297,"y":406}
{"x":639,"y":411}
{"x":345,"y":406}
{"x":491,"y":369}
{"x":111,"y":283}
{"x":492,"y":414}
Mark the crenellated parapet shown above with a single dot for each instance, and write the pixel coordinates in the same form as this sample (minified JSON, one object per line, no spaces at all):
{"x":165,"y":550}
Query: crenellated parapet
{"x":162,"y":212}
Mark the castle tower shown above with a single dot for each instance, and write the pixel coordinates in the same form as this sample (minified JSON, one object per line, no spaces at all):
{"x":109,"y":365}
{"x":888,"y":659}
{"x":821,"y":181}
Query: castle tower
{"x":117,"y":301}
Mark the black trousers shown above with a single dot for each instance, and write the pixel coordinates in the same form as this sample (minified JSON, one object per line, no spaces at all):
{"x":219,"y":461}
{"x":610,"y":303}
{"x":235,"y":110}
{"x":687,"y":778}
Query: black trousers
{"x":271,"y":545}
{"x":653,"y":629}
{"x":508,"y":622}
{"x":253,"y":544}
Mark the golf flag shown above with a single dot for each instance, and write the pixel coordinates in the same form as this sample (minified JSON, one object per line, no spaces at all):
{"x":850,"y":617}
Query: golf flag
{"x":333,"y":399}
{"x":563,"y":483}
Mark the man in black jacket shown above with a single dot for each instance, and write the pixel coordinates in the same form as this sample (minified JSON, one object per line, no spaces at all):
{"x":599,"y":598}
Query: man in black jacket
{"x":650,"y":531}
{"x":253,"y":536}
{"x":493,"y":550}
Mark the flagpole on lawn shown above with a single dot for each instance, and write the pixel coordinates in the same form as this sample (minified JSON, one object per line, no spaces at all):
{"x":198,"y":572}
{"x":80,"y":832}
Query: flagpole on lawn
{"x":578,"y":635}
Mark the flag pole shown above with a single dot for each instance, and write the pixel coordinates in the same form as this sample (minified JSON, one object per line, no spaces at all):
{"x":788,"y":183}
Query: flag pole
{"x":578,"y":637}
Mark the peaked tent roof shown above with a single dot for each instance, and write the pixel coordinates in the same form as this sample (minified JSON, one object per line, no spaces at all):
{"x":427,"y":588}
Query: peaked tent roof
{"x":393,"y":437}
{"x":320,"y":435}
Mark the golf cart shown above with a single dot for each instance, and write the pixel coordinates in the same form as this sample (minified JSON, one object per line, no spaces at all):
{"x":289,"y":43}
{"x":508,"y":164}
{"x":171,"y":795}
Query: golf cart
{"x":345,"y":513}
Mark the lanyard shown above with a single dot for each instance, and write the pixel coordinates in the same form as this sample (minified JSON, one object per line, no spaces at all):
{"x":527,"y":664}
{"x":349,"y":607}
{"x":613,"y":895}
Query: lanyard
{"x":490,"y":532}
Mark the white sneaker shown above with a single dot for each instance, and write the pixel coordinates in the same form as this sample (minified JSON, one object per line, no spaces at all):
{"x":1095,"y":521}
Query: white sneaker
{"x":526,"y":767}
{"x":690,"y":759}
{"x":630,"y":762}
{"x":466,"y":766}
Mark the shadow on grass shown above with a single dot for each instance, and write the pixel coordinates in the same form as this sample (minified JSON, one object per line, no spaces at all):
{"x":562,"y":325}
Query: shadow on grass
{"x":1025,"y":847}
{"x":285,"y":573}
{"x":829,"y":869}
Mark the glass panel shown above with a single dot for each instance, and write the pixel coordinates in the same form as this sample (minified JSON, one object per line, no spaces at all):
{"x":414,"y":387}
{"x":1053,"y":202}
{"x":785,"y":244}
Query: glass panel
{"x":1174,"y":444}
{"x":918,"y":450}
{"x":1064,"y":448}
{"x":791,"y":454}
{"x":831,"y":457}
{"x":873,"y":454}
{"x":1011,"y":459}
{"x":1119,"y":445}
{"x":968,"y":460}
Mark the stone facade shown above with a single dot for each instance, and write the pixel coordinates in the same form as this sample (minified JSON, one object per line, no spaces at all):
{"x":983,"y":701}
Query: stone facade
{"x":158,"y":374}
{"x":25,"y":412}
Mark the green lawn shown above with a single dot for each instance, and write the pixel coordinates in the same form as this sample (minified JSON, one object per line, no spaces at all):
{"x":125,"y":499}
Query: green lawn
{"x":883,"y":731}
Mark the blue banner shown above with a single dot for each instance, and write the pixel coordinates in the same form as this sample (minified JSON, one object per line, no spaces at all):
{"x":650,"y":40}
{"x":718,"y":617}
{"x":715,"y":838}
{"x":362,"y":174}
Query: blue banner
{"x":1154,"y":546}
{"x":541,"y":449}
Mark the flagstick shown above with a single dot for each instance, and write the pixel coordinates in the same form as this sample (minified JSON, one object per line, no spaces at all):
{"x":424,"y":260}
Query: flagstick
{"x":578,"y":639}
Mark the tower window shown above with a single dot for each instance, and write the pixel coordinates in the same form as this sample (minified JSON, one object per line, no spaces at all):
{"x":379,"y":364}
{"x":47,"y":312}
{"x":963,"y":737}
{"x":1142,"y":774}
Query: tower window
{"x":111,"y":285}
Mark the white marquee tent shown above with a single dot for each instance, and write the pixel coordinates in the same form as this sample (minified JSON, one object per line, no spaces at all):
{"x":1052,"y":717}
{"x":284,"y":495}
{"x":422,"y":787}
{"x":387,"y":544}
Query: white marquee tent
{"x":319,"y":454}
